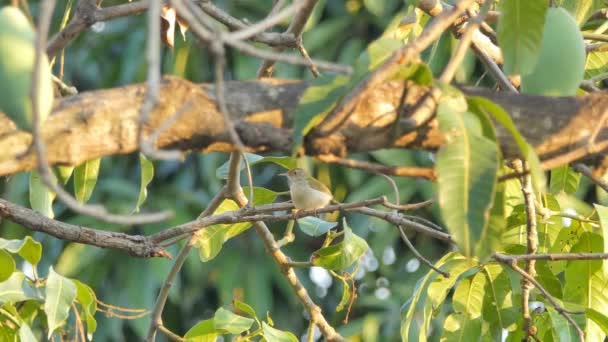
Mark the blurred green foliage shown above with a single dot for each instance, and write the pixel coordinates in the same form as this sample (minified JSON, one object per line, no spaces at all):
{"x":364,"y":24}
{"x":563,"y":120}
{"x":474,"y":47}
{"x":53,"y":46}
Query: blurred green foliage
{"x":112,"y":54}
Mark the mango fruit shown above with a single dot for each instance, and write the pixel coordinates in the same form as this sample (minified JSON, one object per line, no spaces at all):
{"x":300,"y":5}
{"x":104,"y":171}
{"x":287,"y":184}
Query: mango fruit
{"x":17,"y":54}
{"x":561,"y":65}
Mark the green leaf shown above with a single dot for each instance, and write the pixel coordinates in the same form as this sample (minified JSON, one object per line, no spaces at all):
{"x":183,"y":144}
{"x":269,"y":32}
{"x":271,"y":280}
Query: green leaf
{"x":489,"y":242}
{"x":602,"y":213}
{"x":85,"y":178}
{"x":88,"y":301}
{"x":16,"y":289}
{"x":596,"y":63}
{"x":585,"y":282}
{"x":498,"y":309}
{"x":60,"y":294}
{"x":563,"y":178}
{"x":527,"y":151}
{"x":253,"y":159}
{"x":28,"y":248}
{"x":41,"y":198}
{"x":17,"y":58}
{"x":466,"y":165}
{"x":314,"y":226}
{"x":599,"y":318}
{"x":520,"y":33}
{"x":26,"y":334}
{"x":343,"y":254}
{"x":203,"y":331}
{"x":346,"y":295}
{"x":7,"y":265}
{"x":275,"y":335}
{"x":246,"y":308}
{"x":563,"y":329}
{"x":581,"y":9}
{"x":210,"y":240}
{"x":231,"y":322}
{"x":316,"y":102}
{"x":64,"y":173}
{"x":468,"y":296}
{"x":146,"y":175}
{"x":430,"y":292}
{"x":459,"y":327}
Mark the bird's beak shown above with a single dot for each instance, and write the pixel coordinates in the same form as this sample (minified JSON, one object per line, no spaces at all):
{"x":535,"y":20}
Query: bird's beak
{"x":284,"y":174}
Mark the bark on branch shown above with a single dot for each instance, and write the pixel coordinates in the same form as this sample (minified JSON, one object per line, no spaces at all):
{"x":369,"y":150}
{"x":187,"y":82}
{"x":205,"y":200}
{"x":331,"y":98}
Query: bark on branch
{"x":104,"y":122}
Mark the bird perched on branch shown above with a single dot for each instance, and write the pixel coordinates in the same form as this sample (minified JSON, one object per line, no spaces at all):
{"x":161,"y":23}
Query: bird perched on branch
{"x":306,"y":192}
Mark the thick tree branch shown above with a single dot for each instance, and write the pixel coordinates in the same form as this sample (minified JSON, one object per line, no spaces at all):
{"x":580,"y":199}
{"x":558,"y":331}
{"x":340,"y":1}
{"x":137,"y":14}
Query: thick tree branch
{"x":104,"y":122}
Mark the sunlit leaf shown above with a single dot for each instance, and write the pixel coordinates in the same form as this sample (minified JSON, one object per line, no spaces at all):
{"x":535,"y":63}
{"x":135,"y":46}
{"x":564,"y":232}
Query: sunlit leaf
{"x":498,"y":309}
{"x":346,"y":296}
{"x":64,"y":173}
{"x":602,"y":213}
{"x":146,"y":175}
{"x":563,"y":178}
{"x":85,"y":178}
{"x":210,"y":239}
{"x":342,"y":254}
{"x":60,"y":294}
{"x":275,"y":335}
{"x":585,"y":282}
{"x":520,"y":33}
{"x":599,"y":318}
{"x":7,"y":265}
{"x":28,"y":248}
{"x":596,"y":63}
{"x":88,"y":301}
{"x":246,"y":308}
{"x":459,"y":327}
{"x":581,"y":9}
{"x":231,"y":322}
{"x":203,"y":331}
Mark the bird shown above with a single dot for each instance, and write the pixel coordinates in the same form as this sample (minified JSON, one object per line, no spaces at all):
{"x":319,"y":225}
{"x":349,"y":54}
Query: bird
{"x":306,"y":192}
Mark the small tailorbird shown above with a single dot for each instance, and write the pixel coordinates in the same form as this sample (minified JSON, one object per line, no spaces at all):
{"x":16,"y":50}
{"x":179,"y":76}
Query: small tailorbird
{"x":306,"y":192}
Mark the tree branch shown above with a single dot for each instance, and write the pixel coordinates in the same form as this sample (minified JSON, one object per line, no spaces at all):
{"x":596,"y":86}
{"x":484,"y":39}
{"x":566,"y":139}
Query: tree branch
{"x":104,"y":122}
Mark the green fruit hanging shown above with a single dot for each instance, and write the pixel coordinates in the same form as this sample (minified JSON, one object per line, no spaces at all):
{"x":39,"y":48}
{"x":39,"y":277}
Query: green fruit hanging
{"x":17,"y":54}
{"x":561,"y":64}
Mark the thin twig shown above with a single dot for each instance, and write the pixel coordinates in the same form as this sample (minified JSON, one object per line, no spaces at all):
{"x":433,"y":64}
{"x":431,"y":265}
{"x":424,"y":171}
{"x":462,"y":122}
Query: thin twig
{"x":400,"y":171}
{"x":295,"y":29}
{"x":585,"y":170}
{"x":171,"y":335}
{"x":465,"y":40}
{"x":156,"y":320}
{"x":418,"y":255}
{"x":399,"y":58}
{"x":96,"y":211}
{"x":507,"y":258}
{"x":152,"y":96}
{"x":235,"y":192}
{"x":532,"y":242}
{"x":266,"y":23}
{"x":86,"y":14}
{"x":560,"y":309}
